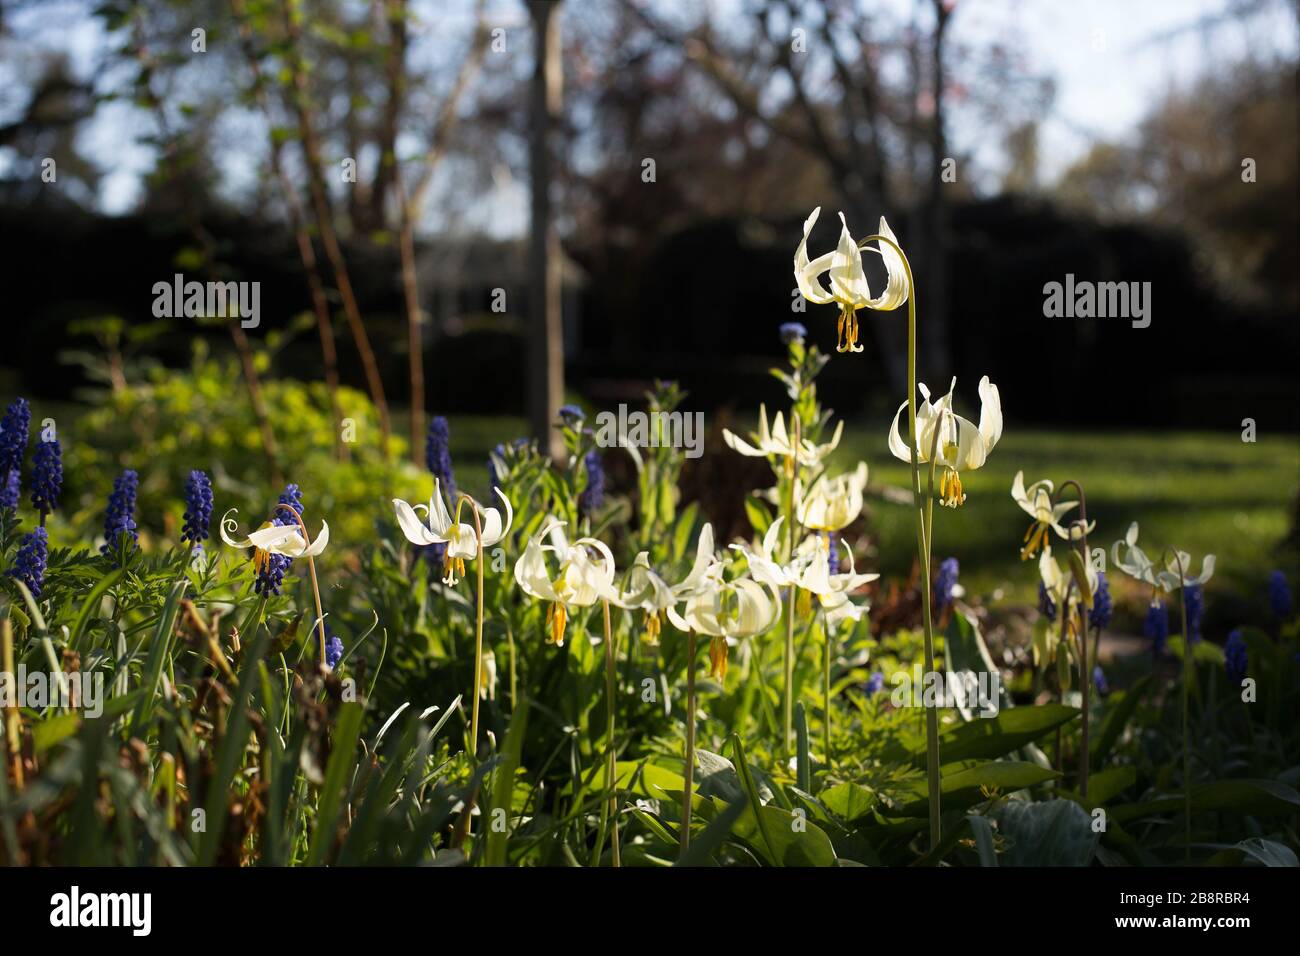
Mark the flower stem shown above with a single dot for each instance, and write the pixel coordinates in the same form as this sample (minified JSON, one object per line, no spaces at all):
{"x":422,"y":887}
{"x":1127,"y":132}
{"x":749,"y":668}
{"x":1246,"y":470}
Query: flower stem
{"x":478,"y":633}
{"x":611,"y":753}
{"x":826,"y":687}
{"x":1085,"y":672}
{"x":922,"y":540}
{"x":690,"y":743}
{"x":311,"y":567}
{"x":787,"y":702}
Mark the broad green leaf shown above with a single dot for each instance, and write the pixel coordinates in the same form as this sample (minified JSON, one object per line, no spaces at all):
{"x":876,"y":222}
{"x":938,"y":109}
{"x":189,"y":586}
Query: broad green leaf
{"x":1052,"y":833}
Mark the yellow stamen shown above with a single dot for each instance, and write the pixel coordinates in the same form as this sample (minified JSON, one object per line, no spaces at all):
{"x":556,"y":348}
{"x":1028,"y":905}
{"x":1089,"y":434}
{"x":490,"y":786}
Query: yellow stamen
{"x":557,"y":618}
{"x":950,"y":493}
{"x":718,"y":658}
{"x":652,"y":626}
{"x":453,"y":569}
{"x":1035,"y":537}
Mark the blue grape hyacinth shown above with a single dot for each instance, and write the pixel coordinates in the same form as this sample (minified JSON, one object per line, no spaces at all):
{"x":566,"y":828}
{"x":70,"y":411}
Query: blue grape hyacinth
{"x":593,"y":496}
{"x":29,"y":563}
{"x":119,"y":519}
{"x":11,"y":490}
{"x":1279,"y":596}
{"x":47,"y":476}
{"x":792,"y":332}
{"x":1102,"y":608}
{"x":1235,"y":659}
{"x":13,"y":435}
{"x":1156,"y":627}
{"x":1194,"y":602}
{"x":437,"y":455}
{"x":271,"y":570}
{"x":198,"y":508}
{"x":946,"y":582}
{"x":333,"y":649}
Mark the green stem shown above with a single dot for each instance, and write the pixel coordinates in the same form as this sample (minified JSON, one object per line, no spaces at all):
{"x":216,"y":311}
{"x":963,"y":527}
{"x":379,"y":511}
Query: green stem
{"x":611,"y":754}
{"x":690,"y":743}
{"x":826,"y":686}
{"x":787,"y":702}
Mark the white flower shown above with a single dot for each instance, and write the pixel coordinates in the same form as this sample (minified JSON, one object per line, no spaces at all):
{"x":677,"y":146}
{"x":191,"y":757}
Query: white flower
{"x":1036,"y":501}
{"x":832,"y":504}
{"x":726,"y":610}
{"x":778,"y":442}
{"x":285,"y":540}
{"x":460,"y":537}
{"x":812,"y":573}
{"x":1136,"y":564}
{"x":958,"y":444}
{"x":579,"y":581}
{"x":1057,"y":583}
{"x":848,"y":282}
{"x":763,"y":564}
{"x":645,"y":590}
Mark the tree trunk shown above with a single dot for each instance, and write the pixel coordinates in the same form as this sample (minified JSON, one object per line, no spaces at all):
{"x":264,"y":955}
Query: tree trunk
{"x":546,"y":337}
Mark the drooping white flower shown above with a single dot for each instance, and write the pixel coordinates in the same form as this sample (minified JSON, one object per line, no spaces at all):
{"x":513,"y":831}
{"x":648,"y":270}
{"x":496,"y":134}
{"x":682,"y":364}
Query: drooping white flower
{"x":811,"y":572}
{"x":460,"y":537}
{"x":285,"y":540}
{"x":848,"y":282}
{"x":832,"y":504}
{"x":726,"y":610}
{"x":578,"y":581}
{"x":777,"y":441}
{"x":764,"y":566}
{"x":1036,"y":501}
{"x":957,"y":443}
{"x":644,"y":589}
{"x":1134,"y":562}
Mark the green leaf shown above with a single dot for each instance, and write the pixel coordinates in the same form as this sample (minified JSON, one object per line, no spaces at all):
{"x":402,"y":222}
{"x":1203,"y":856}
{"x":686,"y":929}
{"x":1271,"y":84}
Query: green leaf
{"x":1052,"y":833}
{"x":962,"y":786}
{"x":503,"y":784}
{"x":1118,"y":713}
{"x":50,"y":732}
{"x":759,"y":517}
{"x":982,"y":831}
{"x":1264,"y":797}
{"x":342,"y":759}
{"x":989,"y":737}
{"x":850,"y":802}
{"x":1268,"y":852}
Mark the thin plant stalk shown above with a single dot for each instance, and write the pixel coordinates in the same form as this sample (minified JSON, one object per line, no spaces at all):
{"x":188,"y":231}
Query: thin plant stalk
{"x":1187,"y":673}
{"x":478,"y":630}
{"x":1085,"y":672}
{"x":787,"y":700}
{"x":922,"y":538}
{"x":311,"y":568}
{"x":13,"y":718}
{"x":685,"y":839}
{"x":826,"y":687}
{"x":611,"y":752}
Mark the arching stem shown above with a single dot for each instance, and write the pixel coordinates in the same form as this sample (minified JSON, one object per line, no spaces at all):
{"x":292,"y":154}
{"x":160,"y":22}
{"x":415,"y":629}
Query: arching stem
{"x":311,"y":567}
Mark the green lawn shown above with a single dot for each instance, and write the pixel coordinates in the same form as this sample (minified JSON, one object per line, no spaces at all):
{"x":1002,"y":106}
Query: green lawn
{"x":1201,"y":492}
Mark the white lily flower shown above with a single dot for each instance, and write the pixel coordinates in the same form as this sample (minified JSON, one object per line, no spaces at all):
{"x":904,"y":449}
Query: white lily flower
{"x":726,"y":610}
{"x":1136,"y":564}
{"x":778,"y":442}
{"x":958,"y":443}
{"x":1036,"y":501}
{"x":812,"y":573}
{"x":848,"y":281}
{"x":647,"y":591}
{"x":460,"y":537}
{"x":832,"y":504}
{"x":763,"y":564}
{"x":579,"y":580}
{"x":285,"y":540}
{"x":1057,"y":581}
